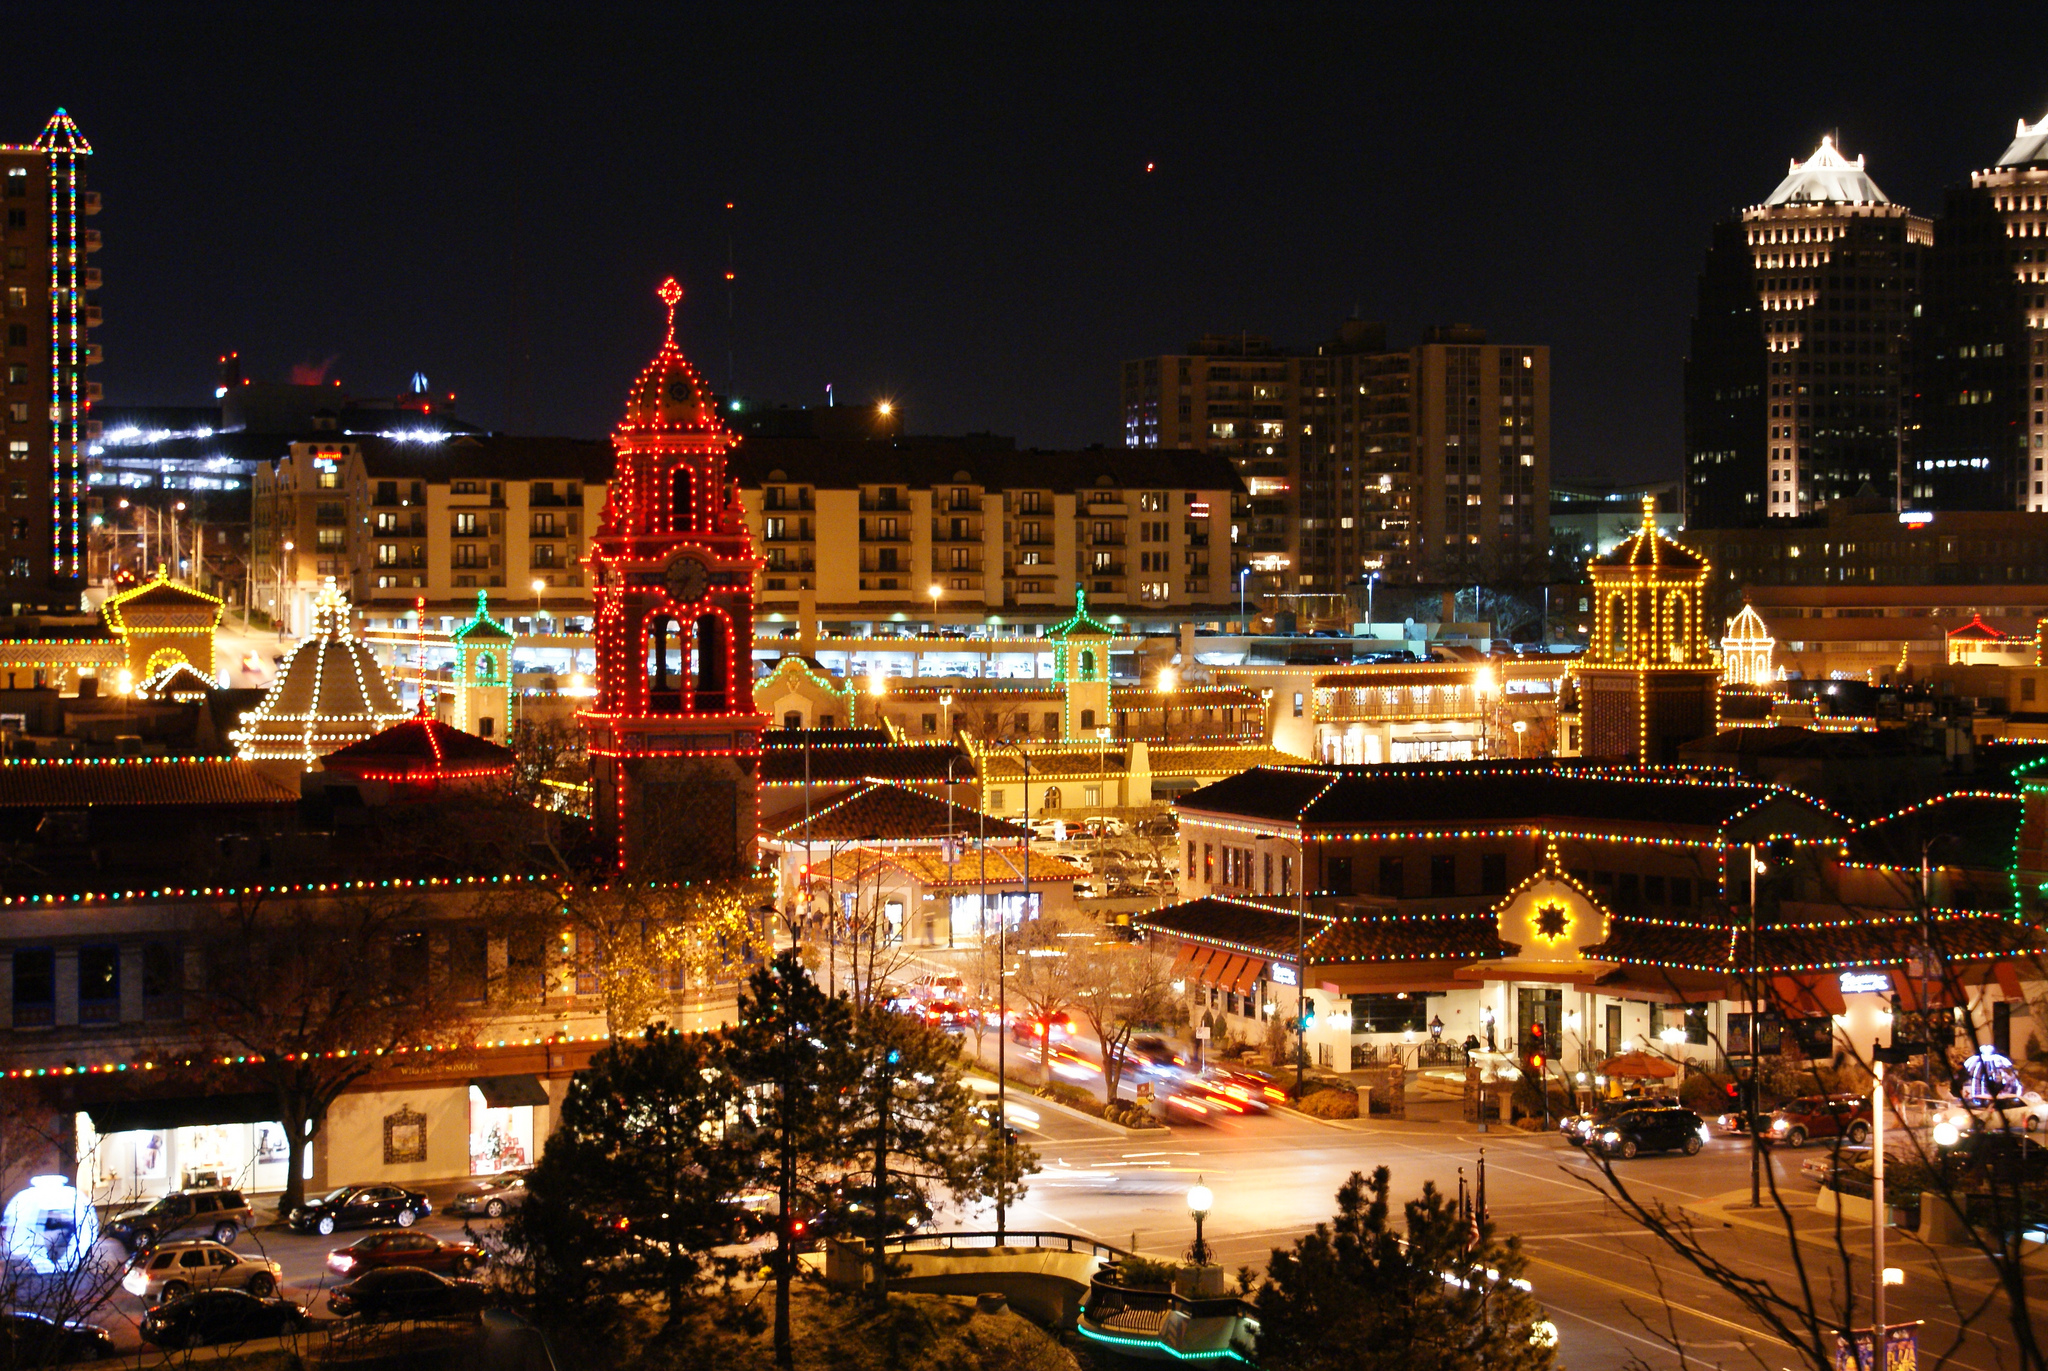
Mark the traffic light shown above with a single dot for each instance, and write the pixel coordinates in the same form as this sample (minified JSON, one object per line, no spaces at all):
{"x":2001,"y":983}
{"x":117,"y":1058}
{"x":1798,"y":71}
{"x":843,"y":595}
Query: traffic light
{"x":1536,"y":1056}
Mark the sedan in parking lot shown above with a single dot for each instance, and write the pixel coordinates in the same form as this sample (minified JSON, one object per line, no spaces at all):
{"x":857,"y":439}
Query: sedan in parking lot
{"x":30,"y":1339}
{"x":405,"y":1249}
{"x":397,"y":1292}
{"x":356,"y":1206}
{"x":1819,"y":1116}
{"x":211,"y":1316}
{"x":1653,"y":1130}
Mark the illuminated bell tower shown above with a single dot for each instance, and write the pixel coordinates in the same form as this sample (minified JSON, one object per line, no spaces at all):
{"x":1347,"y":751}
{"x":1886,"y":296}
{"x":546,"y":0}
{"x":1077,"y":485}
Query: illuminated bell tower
{"x":674,"y":740}
{"x":1648,"y":681}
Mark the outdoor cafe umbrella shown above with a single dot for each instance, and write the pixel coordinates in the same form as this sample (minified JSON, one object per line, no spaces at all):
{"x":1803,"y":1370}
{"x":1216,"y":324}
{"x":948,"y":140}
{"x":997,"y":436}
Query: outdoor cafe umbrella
{"x":1639,"y":1065}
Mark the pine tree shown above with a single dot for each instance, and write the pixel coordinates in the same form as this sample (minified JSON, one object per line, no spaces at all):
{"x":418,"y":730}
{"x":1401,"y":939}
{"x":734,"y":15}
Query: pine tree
{"x":1358,"y":1294}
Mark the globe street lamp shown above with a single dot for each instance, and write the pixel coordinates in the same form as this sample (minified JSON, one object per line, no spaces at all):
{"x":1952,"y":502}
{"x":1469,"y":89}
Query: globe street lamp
{"x":1200,"y":1202}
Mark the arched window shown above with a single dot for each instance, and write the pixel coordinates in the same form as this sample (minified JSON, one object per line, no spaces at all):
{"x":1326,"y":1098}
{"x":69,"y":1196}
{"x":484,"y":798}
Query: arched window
{"x":486,"y":667}
{"x":793,"y":718}
{"x":709,"y":667}
{"x":1617,"y":626}
{"x":1087,"y":663}
{"x":1681,"y":643}
{"x":667,"y":670}
{"x":682,"y":514}
{"x":1052,"y":798}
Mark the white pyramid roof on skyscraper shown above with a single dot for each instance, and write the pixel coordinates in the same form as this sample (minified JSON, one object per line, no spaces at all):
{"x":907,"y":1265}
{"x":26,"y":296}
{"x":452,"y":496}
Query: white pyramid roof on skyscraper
{"x":1827,"y":178}
{"x":2029,"y":145}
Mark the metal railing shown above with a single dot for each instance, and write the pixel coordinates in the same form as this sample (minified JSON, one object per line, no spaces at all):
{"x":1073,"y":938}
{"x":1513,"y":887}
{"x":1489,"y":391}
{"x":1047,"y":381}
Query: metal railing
{"x":971,"y":1238}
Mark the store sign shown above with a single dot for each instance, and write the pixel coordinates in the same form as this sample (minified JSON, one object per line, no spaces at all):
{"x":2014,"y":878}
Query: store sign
{"x":1284,"y":975}
{"x":1865,"y":983}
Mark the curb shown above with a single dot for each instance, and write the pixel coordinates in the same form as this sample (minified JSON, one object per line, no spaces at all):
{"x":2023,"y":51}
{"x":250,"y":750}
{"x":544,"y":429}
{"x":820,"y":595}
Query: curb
{"x":1027,"y":1092}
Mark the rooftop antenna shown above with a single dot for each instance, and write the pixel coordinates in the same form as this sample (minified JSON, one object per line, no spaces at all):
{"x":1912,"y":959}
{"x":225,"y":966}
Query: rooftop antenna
{"x":729,"y":288}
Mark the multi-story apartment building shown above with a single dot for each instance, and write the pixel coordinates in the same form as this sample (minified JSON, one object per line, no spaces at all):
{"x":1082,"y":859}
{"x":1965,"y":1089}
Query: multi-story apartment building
{"x":1418,"y":463}
{"x":45,"y":415}
{"x":1983,"y":425}
{"x":952,"y":527}
{"x":398,"y":521}
{"x":1796,"y":387}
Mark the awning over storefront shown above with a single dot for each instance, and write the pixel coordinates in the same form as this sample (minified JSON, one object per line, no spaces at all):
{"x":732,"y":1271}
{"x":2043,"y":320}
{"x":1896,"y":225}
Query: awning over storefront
{"x":1941,"y":991}
{"x":1223,"y":971}
{"x":181,"y":1111}
{"x":1247,"y":975}
{"x":509,"y":1092}
{"x":2008,"y":977}
{"x":1809,"y":996}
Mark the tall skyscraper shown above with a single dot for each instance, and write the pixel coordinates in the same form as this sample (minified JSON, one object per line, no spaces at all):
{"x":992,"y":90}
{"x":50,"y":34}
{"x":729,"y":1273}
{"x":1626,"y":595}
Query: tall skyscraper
{"x":1795,"y":381}
{"x":1981,"y":351}
{"x":1424,"y":463}
{"x":46,"y":423}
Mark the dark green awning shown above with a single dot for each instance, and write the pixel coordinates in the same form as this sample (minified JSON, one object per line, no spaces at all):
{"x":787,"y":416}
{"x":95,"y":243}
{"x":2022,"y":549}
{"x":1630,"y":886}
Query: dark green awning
{"x":181,"y":1111}
{"x":506,"y":1092}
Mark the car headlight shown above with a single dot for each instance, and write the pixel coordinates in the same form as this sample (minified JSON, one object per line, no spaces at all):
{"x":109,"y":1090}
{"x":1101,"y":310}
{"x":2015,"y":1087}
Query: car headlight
{"x":1777,"y":1125}
{"x":1703,"y":1134}
{"x":1610,"y":1136}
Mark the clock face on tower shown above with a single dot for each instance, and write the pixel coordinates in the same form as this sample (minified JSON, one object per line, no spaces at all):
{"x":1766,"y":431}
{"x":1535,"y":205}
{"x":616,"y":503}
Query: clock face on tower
{"x":687,"y":578}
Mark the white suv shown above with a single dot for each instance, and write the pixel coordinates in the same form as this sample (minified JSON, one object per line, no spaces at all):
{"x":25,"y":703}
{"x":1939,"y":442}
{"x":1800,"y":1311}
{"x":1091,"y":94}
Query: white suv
{"x":172,"y":1269}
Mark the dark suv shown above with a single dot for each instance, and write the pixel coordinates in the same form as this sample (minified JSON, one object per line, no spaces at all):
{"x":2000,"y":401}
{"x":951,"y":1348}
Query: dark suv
{"x":216,"y":1213}
{"x":1652,"y":1130}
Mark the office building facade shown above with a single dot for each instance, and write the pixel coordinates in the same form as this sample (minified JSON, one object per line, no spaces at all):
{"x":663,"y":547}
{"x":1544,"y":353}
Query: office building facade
{"x":46,"y":415}
{"x":1796,"y":377}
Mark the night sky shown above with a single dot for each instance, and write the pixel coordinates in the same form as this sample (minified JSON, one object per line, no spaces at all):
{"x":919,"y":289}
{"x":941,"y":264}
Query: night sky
{"x":949,"y":206}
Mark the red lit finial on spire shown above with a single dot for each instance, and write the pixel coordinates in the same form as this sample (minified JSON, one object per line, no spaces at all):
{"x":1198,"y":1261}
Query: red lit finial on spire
{"x":671,"y":295}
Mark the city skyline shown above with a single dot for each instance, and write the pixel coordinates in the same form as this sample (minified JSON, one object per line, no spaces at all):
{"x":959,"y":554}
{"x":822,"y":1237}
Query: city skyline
{"x":965,"y":224}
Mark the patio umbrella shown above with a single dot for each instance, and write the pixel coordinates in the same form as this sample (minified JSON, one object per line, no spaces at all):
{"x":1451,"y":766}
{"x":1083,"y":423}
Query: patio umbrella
{"x":1639,"y":1065}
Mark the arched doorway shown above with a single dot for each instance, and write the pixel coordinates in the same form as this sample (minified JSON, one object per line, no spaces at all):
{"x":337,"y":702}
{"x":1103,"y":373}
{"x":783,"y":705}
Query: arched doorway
{"x":667,"y":671}
{"x":710,"y":667}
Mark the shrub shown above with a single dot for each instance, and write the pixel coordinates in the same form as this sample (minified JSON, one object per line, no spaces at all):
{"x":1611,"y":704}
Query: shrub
{"x":1330,"y":1104}
{"x":1142,"y":1273}
{"x":1704,"y":1092}
{"x":1072,"y":1096}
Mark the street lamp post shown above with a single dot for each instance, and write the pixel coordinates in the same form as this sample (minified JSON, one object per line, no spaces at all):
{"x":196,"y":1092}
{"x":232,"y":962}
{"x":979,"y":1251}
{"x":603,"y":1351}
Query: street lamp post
{"x":1371,"y":579}
{"x":1243,"y":622}
{"x":1003,"y":977}
{"x":1200,"y":1201}
{"x":935,"y":592}
{"x":539,"y":588}
{"x":1756,"y":1024}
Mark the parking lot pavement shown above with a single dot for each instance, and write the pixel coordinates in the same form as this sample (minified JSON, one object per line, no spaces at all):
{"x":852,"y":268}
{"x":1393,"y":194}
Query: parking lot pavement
{"x":303,"y":1257}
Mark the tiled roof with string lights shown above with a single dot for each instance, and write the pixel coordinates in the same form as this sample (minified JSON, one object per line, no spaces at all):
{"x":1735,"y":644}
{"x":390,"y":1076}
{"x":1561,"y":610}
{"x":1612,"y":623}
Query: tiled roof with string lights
{"x":133,"y":782}
{"x":881,"y":812}
{"x":421,"y":750}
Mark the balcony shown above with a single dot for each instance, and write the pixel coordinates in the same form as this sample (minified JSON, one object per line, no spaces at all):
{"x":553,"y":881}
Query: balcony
{"x":473,"y":531}
{"x":871,"y":533}
{"x":91,"y":315}
{"x":884,"y":503}
{"x":776,"y":499}
{"x":89,"y":201}
{"x":1107,"y":569}
{"x":92,"y":240}
{"x":943,"y":533}
{"x":93,"y":355}
{"x":92,"y":278}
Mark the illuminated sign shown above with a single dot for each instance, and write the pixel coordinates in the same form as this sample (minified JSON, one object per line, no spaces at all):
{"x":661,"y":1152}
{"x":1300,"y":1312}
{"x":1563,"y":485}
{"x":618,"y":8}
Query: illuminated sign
{"x":1865,"y":982}
{"x":1285,"y":975}
{"x":1916,"y":517}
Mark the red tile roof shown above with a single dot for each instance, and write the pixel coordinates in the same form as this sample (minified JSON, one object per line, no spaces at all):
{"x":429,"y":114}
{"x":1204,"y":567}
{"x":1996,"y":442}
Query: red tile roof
{"x":138,"y":781}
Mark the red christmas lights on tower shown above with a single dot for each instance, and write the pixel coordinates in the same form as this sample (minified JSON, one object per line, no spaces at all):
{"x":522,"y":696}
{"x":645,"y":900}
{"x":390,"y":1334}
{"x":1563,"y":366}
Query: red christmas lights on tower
{"x":674,"y":739}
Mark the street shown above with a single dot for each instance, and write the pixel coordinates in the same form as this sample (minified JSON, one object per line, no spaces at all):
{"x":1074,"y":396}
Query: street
{"x":1614,"y":1294}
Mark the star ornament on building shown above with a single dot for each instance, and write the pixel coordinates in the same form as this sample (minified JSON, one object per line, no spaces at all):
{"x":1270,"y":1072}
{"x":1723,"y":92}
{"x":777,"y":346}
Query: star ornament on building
{"x":1551,"y":922}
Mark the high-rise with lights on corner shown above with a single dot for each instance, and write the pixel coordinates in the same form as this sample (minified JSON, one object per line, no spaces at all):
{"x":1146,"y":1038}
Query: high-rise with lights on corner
{"x":46,"y":422}
{"x":1796,"y":379}
{"x":1983,"y":422}
{"x":1412,"y":464}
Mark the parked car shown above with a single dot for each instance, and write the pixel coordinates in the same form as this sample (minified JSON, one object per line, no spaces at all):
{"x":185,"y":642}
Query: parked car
{"x":356,"y":1206}
{"x":1653,"y":1130}
{"x":2001,"y":1159}
{"x":1795,"y":1122}
{"x":398,"y":1292}
{"x":172,"y":1269}
{"x":210,"y":1316}
{"x":2028,"y":1112}
{"x":848,"y":1209}
{"x":30,"y":1339}
{"x":219,"y":1213}
{"x":491,"y":1198}
{"x":422,"y":1250}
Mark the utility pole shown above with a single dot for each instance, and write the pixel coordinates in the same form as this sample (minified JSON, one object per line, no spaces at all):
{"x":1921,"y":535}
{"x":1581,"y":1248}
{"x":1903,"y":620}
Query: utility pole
{"x":1877,"y":1214}
{"x":1756,"y":1024}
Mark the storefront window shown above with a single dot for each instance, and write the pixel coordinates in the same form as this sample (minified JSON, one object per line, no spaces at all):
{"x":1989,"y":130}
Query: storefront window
{"x":499,"y":1139}
{"x":144,"y":1163}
